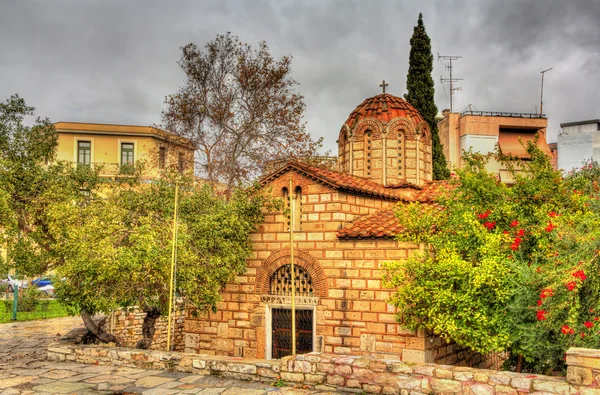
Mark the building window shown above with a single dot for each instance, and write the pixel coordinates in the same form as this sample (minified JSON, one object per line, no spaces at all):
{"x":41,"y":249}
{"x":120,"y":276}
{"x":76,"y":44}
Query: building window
{"x":281,"y":281}
{"x":286,"y":206}
{"x":180,"y":162}
{"x":127,"y":154}
{"x":84,"y":152}
{"x":298,"y":208}
{"x":367,"y":153}
{"x":400,"y":154}
{"x":162,"y":157}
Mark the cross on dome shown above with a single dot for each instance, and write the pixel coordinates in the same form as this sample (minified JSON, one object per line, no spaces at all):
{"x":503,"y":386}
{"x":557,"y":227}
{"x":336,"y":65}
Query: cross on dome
{"x":383,"y":85}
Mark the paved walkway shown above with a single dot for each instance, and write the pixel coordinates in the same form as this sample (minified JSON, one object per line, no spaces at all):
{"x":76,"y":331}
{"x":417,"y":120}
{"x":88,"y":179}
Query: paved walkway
{"x":24,"y":370}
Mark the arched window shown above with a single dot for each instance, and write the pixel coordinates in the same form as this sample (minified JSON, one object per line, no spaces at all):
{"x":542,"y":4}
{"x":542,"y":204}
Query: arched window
{"x":367,"y":149}
{"x":286,"y":206}
{"x":281,"y":281}
{"x":400,"y":163}
{"x":298,"y":208}
{"x":343,"y":151}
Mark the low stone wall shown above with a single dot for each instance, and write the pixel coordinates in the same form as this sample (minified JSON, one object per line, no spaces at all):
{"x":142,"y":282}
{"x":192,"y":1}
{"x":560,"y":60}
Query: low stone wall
{"x":352,"y":374}
{"x":126,"y":324}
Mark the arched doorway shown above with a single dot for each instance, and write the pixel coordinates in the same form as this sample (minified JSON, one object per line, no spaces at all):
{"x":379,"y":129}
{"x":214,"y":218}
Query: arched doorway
{"x":273,"y":282}
{"x":281,"y":316}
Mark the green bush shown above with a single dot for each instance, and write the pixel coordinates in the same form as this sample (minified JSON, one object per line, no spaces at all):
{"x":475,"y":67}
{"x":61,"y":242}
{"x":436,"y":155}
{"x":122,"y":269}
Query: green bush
{"x":27,"y":301}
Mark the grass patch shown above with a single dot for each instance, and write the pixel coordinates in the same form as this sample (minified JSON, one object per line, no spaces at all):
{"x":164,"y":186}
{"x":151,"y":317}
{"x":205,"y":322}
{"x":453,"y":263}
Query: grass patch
{"x":44,"y":309}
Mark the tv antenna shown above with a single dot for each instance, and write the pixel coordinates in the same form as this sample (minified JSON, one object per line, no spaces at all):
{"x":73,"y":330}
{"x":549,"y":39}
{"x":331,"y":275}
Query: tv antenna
{"x":451,"y":80}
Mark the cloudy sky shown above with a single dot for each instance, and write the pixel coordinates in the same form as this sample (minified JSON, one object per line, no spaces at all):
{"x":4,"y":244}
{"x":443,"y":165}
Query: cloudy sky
{"x":110,"y":61}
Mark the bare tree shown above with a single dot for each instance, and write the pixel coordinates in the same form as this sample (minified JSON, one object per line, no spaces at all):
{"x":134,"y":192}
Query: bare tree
{"x":239,"y":108}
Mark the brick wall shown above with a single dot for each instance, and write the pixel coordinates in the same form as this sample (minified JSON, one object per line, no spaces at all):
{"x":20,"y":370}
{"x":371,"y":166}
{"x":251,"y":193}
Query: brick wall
{"x":352,"y":314}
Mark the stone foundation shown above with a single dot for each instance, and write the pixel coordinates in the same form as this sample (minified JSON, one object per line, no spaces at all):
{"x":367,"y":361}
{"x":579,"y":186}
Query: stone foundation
{"x":126,"y":324}
{"x":352,"y":374}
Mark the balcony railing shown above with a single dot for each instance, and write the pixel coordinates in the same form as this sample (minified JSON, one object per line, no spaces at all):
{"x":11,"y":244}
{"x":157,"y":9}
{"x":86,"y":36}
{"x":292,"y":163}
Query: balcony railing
{"x":503,"y":114}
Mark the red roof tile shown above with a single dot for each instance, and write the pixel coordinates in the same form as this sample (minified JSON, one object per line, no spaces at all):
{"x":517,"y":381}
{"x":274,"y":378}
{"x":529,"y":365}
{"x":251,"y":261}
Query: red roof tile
{"x":381,"y":224}
{"x":344,"y":181}
{"x":384,"y":107}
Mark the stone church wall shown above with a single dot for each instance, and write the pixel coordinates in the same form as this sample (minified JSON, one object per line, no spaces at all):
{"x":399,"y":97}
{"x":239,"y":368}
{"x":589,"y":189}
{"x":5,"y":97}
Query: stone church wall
{"x":352,"y":314}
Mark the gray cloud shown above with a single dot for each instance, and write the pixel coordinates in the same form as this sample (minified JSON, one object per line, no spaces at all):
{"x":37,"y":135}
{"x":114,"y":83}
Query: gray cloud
{"x":115,"y":61}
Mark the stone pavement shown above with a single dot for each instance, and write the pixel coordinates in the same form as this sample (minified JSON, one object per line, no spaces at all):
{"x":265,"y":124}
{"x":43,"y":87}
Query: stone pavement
{"x":24,"y":370}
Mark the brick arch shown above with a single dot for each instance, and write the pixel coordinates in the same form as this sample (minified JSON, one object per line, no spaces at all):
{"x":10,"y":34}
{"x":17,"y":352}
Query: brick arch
{"x":401,"y":123}
{"x":372,"y":124}
{"x":284,"y":182}
{"x":423,"y":130}
{"x":301,"y":258}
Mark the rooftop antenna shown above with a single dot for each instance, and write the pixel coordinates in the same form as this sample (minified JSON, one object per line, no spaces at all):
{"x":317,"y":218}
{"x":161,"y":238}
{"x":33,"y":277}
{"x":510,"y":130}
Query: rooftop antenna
{"x":451,"y":80}
{"x":542,"y":93}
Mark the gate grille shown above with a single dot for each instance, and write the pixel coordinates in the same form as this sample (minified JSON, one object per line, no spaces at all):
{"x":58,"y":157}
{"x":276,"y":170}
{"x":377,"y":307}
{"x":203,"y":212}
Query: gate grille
{"x":282,"y":332}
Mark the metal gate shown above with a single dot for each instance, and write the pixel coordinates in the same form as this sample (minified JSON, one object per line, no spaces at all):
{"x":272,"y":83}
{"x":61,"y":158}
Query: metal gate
{"x":282,"y":332}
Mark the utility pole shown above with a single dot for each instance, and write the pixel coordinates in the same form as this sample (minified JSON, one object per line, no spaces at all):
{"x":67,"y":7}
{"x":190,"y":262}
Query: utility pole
{"x":542,"y":93}
{"x":451,"y":80}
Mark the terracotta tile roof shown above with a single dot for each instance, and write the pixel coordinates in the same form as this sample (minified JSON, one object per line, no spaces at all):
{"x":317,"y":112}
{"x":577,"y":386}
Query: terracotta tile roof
{"x":384,"y":107}
{"x":344,"y":182}
{"x":382,"y":224}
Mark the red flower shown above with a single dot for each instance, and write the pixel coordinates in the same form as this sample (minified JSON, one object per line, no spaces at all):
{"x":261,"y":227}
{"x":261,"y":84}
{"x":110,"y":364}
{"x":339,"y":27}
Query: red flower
{"x":570,"y":285}
{"x":505,"y":232}
{"x":552,"y":214}
{"x":520,"y":233}
{"x":582,"y":335}
{"x":546,"y":292}
{"x":550,"y":226}
{"x":596,"y":318}
{"x":484,"y":215}
{"x":514,"y":223}
{"x":540,"y":302}
{"x":580,"y":274}
{"x":489,"y":225}
{"x":566,"y":330}
{"x":514,"y":246}
{"x":588,"y":324}
{"x":541,"y":315}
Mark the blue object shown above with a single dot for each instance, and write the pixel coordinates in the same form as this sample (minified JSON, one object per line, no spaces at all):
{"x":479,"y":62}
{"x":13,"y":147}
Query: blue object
{"x":42,"y":282}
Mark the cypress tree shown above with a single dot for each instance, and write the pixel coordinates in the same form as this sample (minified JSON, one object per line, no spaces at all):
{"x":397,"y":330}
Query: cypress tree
{"x":419,"y":85}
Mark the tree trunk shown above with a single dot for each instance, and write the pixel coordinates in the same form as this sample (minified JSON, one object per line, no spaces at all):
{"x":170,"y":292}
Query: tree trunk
{"x":95,"y":330}
{"x":148,"y":329}
{"x":519,"y":364}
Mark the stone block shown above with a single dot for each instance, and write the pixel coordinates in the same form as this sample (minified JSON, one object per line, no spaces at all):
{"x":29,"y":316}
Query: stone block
{"x":299,"y":366}
{"x":314,"y":378}
{"x":417,"y":356}
{"x":578,"y":375}
{"x":367,"y":343}
{"x":463,"y":376}
{"x":336,"y":380}
{"x":292,"y":377}
{"x":482,"y":389}
{"x":589,"y":391}
{"x":443,"y":373}
{"x":241,"y":368}
{"x":505,"y":390}
{"x":500,"y":379}
{"x":192,"y":340}
{"x":266,"y":372}
{"x":522,"y":383}
{"x":446,"y":386}
{"x":371,"y":389}
{"x":554,"y":386}
{"x":409,"y":383}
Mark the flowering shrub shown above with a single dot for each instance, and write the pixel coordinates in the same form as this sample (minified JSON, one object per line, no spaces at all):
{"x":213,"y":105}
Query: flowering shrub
{"x":507,"y":267}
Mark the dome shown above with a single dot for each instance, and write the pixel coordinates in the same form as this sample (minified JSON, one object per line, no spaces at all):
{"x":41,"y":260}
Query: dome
{"x":384,"y":108}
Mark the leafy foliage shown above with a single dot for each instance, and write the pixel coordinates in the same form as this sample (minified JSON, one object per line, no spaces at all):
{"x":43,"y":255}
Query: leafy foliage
{"x":28,"y":185}
{"x":506,"y":267}
{"x":239,"y":108}
{"x":420,"y":87}
{"x":117,"y":247}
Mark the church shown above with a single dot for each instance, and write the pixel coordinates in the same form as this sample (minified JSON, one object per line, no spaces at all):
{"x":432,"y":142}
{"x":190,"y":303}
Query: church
{"x":344,"y":229}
